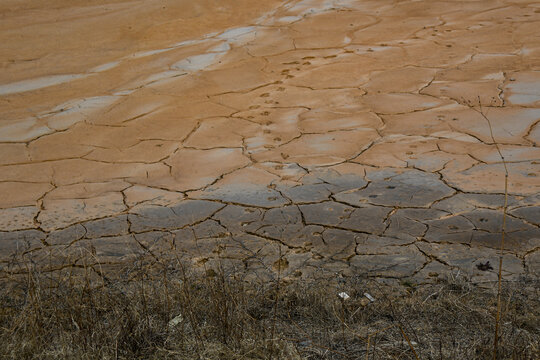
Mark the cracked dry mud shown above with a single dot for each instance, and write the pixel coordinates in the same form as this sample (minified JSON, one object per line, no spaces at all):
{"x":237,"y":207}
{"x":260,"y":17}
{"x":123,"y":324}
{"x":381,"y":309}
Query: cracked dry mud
{"x":336,"y":134}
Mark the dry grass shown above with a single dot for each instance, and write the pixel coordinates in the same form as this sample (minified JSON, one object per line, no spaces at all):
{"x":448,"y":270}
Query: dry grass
{"x":155,"y":310}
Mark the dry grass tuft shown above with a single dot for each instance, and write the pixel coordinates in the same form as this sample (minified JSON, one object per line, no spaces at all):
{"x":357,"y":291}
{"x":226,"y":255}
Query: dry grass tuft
{"x":170,"y":310}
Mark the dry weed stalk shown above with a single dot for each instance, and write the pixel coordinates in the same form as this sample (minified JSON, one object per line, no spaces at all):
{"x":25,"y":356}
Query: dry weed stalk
{"x":85,"y":319}
{"x":408,"y":342}
{"x":276,"y":303}
{"x":480,"y":110}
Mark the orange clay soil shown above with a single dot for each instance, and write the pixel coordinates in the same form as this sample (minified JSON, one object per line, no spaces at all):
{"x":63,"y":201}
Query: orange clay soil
{"x":345,"y":132}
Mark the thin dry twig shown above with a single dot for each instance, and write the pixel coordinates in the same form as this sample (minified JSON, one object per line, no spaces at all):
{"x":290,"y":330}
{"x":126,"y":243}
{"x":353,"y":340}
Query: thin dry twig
{"x":503,"y":230}
{"x":409,"y":342}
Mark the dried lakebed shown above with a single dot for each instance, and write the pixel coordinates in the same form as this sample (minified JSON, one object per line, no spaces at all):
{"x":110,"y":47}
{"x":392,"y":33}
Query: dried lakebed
{"x":323,"y":138}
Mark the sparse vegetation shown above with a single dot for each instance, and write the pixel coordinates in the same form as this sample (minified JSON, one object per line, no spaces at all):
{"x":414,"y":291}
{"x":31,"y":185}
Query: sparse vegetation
{"x":174,"y":311}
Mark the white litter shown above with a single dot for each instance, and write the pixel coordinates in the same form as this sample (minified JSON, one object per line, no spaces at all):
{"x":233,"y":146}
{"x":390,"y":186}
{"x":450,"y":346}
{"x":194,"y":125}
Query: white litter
{"x":344,"y":295}
{"x":175,"y":321}
{"x":371,"y":298}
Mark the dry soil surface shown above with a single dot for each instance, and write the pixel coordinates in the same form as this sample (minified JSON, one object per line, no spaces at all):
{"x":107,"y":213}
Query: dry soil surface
{"x":320,"y":137}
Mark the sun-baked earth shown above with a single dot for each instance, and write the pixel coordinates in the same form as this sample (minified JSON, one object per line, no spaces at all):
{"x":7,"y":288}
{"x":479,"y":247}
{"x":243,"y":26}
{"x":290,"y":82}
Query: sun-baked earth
{"x":338,"y":136}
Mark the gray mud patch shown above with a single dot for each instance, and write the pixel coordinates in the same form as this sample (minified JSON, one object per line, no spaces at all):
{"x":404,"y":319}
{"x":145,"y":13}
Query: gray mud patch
{"x":388,"y":225}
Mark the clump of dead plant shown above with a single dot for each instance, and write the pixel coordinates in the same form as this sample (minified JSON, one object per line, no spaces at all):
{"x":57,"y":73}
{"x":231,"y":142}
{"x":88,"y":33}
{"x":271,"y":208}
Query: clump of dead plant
{"x":173,"y":310}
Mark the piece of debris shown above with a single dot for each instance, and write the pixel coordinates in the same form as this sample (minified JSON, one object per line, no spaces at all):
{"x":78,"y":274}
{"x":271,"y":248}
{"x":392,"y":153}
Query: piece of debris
{"x":344,"y":295}
{"x":371,"y":298}
{"x":484,"y":267}
{"x":175,"y":321}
